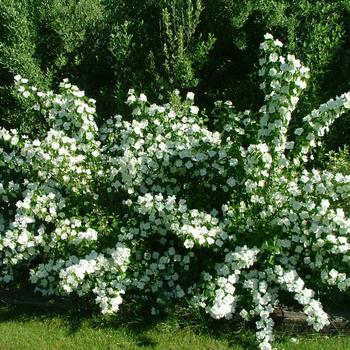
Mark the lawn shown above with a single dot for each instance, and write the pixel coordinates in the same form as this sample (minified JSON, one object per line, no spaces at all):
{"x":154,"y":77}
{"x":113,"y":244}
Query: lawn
{"x":28,"y":328}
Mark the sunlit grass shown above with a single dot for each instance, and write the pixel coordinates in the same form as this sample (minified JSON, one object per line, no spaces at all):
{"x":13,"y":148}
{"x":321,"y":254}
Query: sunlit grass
{"x":29,"y":328}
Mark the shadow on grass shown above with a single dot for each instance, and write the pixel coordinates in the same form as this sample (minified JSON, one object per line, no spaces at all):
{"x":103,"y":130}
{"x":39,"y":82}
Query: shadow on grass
{"x":22,"y":313}
{"x":136,"y":321}
{"x":73,"y":319}
{"x":73,"y":314}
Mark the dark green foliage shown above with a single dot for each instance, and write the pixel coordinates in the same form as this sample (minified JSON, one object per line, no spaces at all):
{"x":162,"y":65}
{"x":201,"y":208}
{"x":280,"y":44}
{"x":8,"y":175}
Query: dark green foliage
{"x":316,"y":31}
{"x":209,"y":47}
{"x":183,"y":54}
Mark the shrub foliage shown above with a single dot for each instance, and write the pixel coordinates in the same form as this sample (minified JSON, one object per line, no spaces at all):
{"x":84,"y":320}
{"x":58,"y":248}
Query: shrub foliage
{"x":208,"y":47}
{"x":163,"y":209}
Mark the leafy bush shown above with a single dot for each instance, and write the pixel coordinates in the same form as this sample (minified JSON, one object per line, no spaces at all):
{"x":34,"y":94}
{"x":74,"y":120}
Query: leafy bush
{"x":208,"y":47}
{"x":106,"y":47}
{"x":164,"y":210}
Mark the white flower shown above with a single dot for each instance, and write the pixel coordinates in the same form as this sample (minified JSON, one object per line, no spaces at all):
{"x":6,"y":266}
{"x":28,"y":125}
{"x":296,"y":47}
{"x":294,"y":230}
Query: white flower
{"x":143,"y":98}
{"x":231,"y":182}
{"x":278,"y":43}
{"x":95,"y":153}
{"x":131,"y":99}
{"x":194,"y":109}
{"x":298,"y":131}
{"x":188,"y":244}
{"x":273,"y":57}
{"x":272,"y":72}
{"x":289,"y":145}
{"x":55,"y":145}
{"x":190,"y":96}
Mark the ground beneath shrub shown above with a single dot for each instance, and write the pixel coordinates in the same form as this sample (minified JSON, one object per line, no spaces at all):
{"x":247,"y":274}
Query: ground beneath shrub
{"x":29,"y":321}
{"x":283,"y":316}
{"x":28,"y":328}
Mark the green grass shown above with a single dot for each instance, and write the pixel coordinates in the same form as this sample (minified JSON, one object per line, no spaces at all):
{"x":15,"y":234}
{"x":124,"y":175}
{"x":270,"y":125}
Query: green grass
{"x":29,"y":328}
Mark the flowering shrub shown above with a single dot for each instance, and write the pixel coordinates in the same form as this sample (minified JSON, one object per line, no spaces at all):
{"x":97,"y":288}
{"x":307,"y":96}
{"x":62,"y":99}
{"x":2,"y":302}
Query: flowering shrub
{"x":163,"y":209}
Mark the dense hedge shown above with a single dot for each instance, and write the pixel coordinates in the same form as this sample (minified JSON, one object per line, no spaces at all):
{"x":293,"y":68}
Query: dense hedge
{"x":165,"y":211}
{"x":209,"y":47}
{"x":170,"y":202}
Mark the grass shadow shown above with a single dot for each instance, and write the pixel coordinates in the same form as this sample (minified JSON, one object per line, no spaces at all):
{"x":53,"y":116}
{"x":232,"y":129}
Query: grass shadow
{"x":74,"y":313}
{"x":136,"y":321}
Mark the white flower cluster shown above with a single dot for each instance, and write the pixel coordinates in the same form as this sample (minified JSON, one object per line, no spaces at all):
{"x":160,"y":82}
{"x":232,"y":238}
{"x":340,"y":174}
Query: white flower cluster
{"x":160,"y":208}
{"x":264,"y":300}
{"x":285,"y":78}
{"x":101,"y":273}
{"x":165,"y":215}
{"x":312,"y":308}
